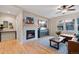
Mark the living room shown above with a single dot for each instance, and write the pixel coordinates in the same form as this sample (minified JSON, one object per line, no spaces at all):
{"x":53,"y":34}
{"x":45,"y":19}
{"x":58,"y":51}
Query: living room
{"x":35,"y":27}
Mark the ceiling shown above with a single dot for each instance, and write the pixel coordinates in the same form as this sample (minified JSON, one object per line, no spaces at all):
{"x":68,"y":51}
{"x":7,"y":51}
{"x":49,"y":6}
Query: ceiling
{"x":48,"y":11}
{"x":9,"y":9}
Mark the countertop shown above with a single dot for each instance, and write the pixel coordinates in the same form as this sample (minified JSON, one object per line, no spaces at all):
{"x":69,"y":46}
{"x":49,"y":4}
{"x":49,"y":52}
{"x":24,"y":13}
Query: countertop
{"x":10,"y":30}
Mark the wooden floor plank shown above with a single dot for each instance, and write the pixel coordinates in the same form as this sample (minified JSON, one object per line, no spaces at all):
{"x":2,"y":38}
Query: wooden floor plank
{"x":33,"y":47}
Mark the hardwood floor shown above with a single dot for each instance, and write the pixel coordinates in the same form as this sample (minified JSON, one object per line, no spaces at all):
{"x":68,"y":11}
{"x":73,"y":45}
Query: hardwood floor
{"x":35,"y":47}
{"x":11,"y":47}
{"x":32,"y":47}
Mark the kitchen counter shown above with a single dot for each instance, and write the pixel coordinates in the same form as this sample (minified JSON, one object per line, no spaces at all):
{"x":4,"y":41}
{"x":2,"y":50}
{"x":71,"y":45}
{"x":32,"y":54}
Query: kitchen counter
{"x":7,"y":34}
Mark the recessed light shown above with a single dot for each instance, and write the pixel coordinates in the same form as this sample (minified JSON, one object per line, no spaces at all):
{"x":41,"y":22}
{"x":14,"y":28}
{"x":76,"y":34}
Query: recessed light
{"x":9,"y":12}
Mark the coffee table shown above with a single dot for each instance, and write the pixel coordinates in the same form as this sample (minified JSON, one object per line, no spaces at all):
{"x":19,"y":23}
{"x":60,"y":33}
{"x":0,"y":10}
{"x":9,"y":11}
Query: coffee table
{"x":54,"y":42}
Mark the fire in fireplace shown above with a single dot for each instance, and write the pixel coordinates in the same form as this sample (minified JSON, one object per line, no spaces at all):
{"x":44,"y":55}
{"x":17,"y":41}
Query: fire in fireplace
{"x":30,"y":34}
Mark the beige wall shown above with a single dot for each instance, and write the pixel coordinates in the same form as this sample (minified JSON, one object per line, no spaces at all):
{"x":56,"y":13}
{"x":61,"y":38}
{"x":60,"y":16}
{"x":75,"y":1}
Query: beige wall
{"x":52,"y":23}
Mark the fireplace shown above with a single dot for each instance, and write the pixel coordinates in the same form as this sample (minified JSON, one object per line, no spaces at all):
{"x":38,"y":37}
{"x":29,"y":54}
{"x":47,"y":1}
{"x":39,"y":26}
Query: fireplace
{"x":30,"y":34}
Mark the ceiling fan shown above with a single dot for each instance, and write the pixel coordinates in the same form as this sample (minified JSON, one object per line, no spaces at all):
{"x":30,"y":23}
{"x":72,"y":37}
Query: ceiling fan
{"x":64,"y":8}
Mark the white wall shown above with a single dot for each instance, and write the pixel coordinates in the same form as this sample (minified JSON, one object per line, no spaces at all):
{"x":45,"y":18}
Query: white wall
{"x":52,"y":23}
{"x":19,"y":26}
{"x":31,"y":26}
{"x":9,"y":18}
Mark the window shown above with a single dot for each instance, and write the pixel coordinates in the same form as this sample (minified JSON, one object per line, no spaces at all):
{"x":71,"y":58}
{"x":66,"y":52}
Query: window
{"x":43,"y":24}
{"x":78,"y":23}
{"x":70,"y":25}
{"x":60,"y":25}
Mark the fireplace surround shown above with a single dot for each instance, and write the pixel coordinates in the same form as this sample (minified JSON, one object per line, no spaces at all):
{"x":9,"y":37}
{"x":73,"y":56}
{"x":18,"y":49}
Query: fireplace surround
{"x":30,"y":34}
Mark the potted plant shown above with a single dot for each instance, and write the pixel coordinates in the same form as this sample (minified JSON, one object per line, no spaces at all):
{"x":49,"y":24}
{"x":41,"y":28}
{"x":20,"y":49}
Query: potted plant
{"x":58,"y":33}
{"x":1,"y":27}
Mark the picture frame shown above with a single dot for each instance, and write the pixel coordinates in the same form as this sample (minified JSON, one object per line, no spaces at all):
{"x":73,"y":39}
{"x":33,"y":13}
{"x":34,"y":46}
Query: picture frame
{"x":28,"y":20}
{"x":5,"y":23}
{"x":42,"y":23}
{"x":10,"y":25}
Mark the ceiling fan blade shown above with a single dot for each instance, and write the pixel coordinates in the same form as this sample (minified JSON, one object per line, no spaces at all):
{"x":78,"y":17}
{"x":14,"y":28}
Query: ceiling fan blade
{"x":71,"y":9}
{"x":58,"y":12}
{"x":71,"y":6}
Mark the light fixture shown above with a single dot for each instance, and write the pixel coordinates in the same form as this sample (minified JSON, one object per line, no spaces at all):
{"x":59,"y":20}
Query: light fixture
{"x":8,"y":12}
{"x":64,"y":11}
{"x":68,"y":20}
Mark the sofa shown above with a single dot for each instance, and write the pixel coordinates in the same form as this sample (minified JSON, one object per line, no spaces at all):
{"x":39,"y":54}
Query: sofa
{"x":73,"y":47}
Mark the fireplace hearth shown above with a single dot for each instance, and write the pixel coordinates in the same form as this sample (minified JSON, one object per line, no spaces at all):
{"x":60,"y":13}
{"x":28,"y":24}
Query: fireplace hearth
{"x":30,"y":34}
